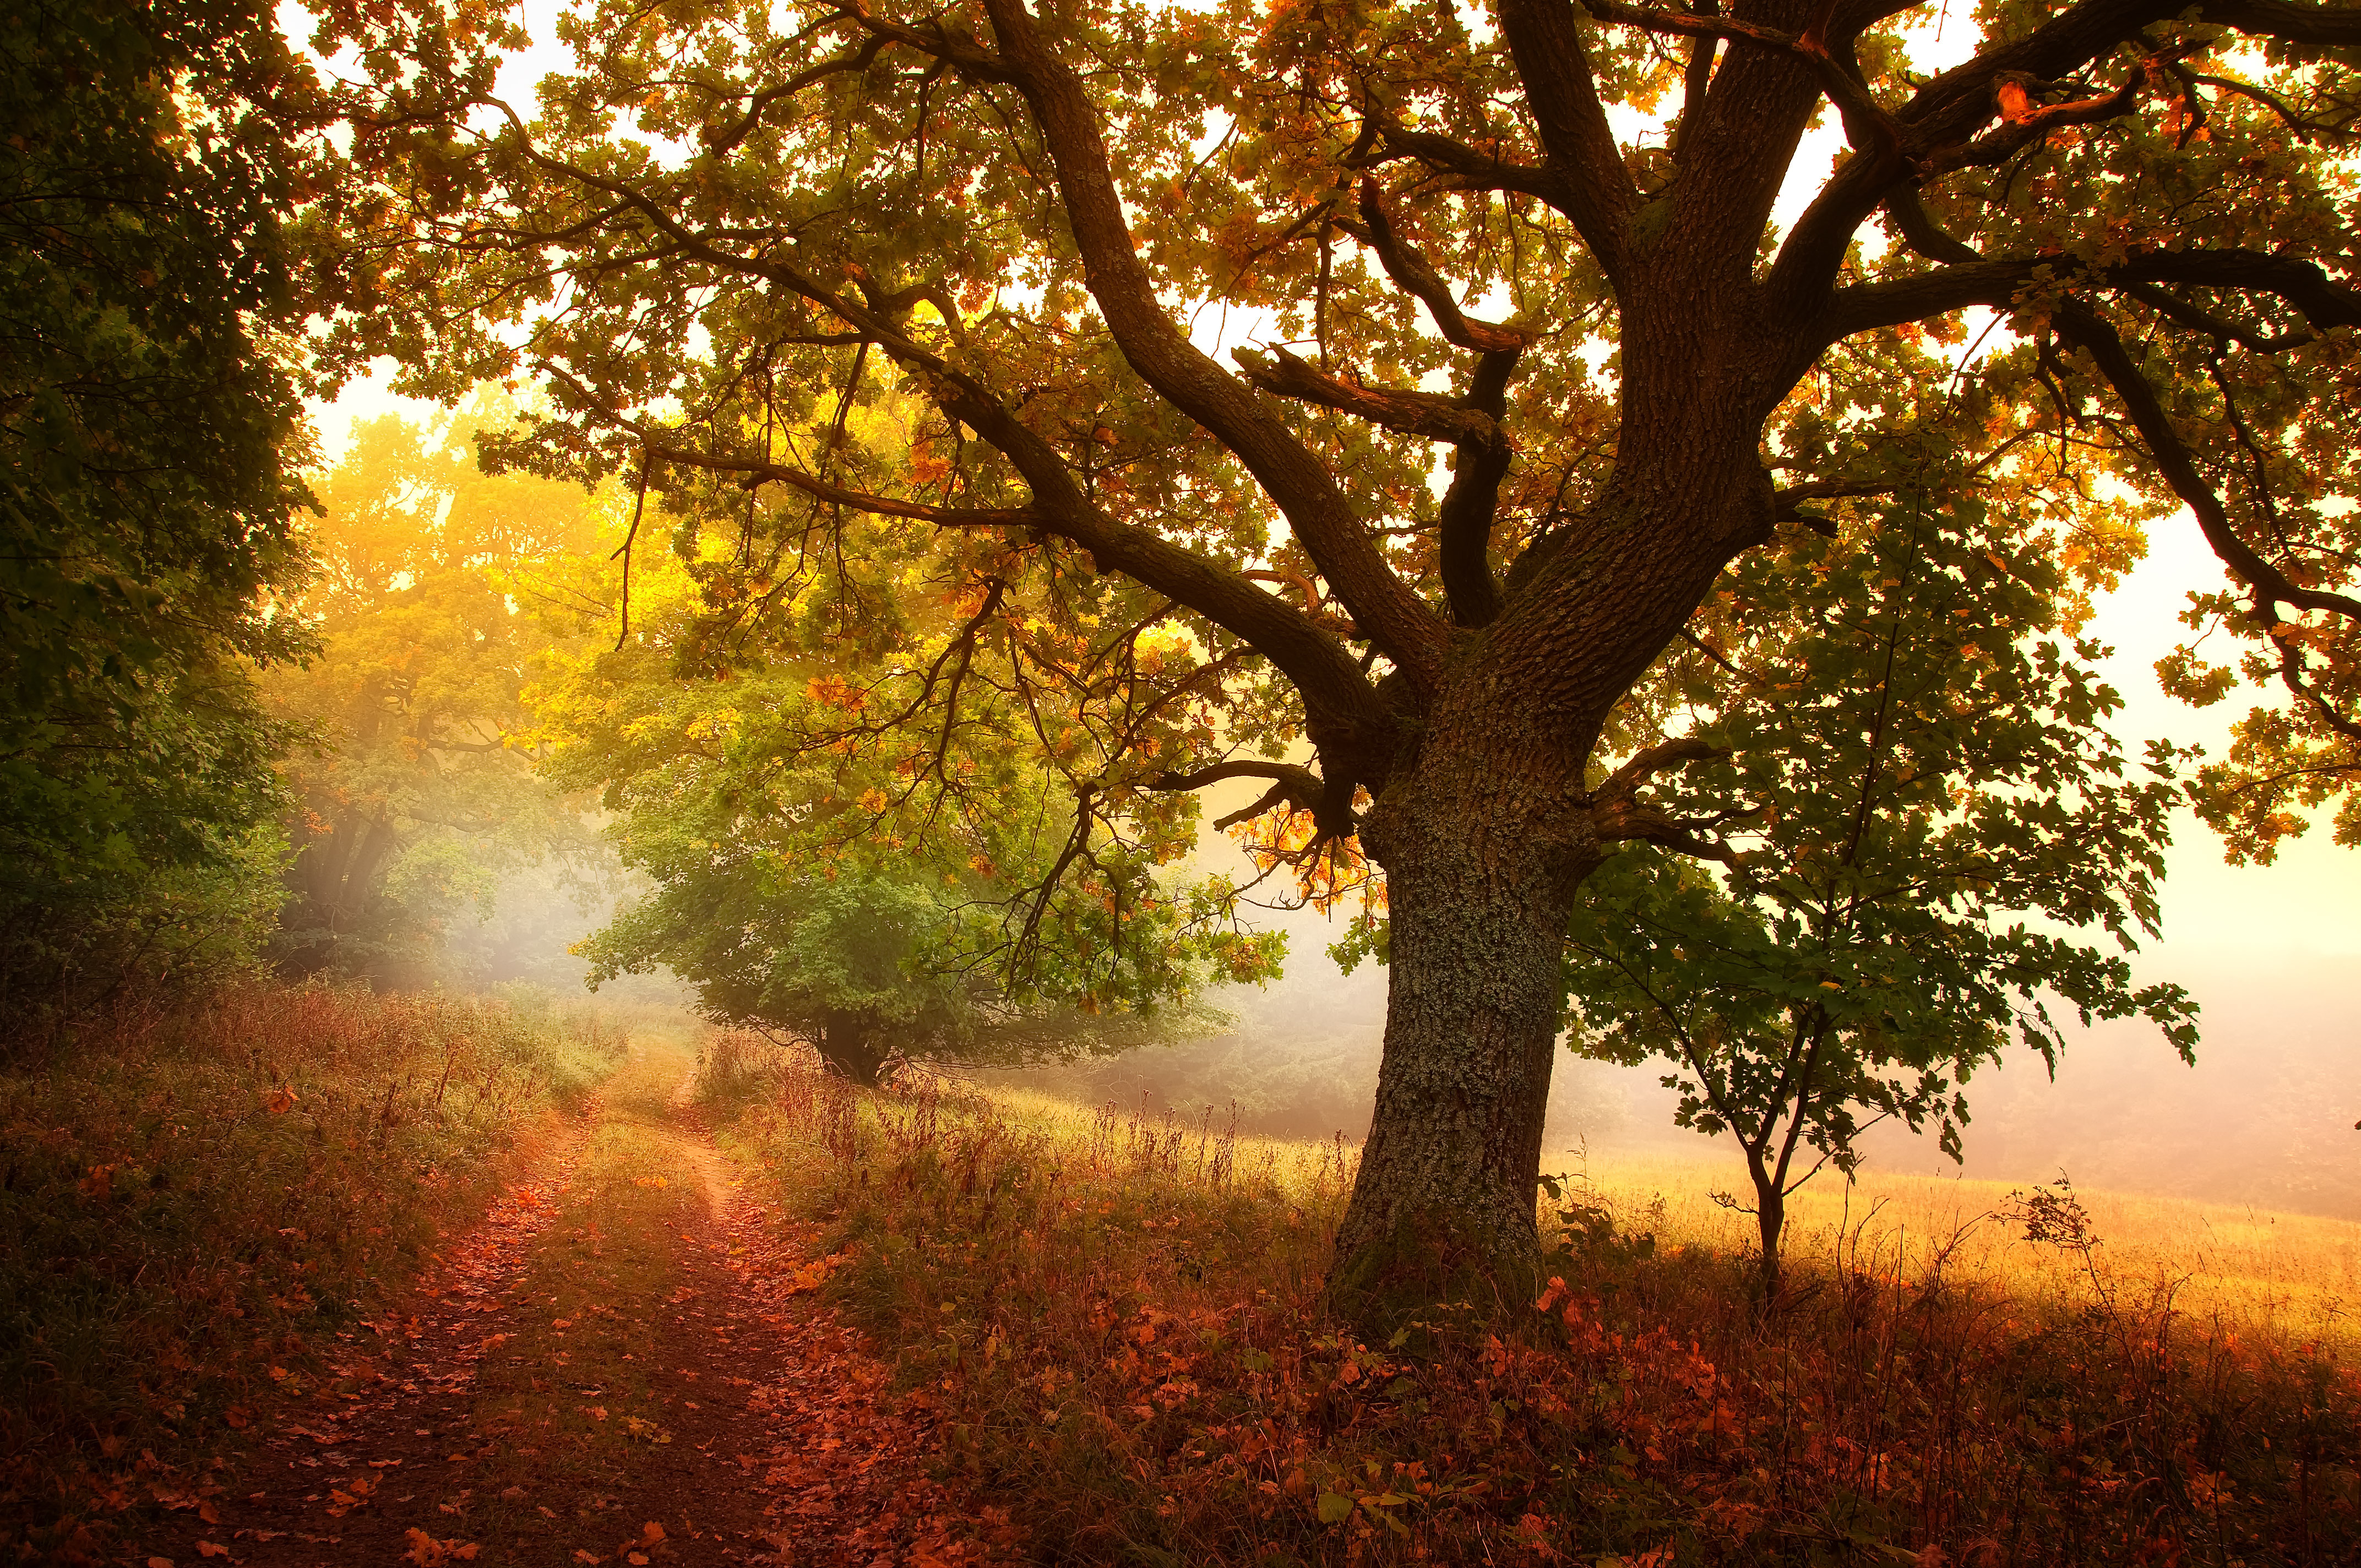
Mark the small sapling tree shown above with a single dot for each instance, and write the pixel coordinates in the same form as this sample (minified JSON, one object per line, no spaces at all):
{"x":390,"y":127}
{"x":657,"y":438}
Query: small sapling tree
{"x":1925,"y":814}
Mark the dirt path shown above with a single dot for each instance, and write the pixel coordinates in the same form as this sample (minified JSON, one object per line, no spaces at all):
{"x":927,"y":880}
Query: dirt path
{"x":623,"y":1364}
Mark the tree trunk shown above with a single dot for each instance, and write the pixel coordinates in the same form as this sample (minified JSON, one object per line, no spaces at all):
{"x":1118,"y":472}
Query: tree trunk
{"x":1770,"y":1220}
{"x":1486,"y":831}
{"x":1443,"y":1210}
{"x":849,"y":1048}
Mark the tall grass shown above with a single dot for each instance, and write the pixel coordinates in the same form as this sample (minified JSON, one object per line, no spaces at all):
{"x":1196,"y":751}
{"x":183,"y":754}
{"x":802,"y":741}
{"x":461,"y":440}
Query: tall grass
{"x":1119,"y":1318}
{"x":193,"y":1202}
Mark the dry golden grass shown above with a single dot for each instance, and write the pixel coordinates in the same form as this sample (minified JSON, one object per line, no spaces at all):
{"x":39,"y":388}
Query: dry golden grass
{"x":2291,"y":1279}
{"x":2295,"y":1279}
{"x":1119,"y":1318}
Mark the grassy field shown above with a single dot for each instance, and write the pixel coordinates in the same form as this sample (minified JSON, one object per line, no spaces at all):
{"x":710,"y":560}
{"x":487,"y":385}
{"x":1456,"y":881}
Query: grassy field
{"x":1121,"y":1314}
{"x":2288,"y":1278}
{"x":196,"y":1204}
{"x":2291,"y":1279}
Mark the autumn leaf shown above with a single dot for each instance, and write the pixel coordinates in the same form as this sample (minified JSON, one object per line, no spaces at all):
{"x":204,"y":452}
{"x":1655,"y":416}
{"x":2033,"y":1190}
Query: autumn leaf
{"x":279,"y":1101}
{"x":428,"y":1552}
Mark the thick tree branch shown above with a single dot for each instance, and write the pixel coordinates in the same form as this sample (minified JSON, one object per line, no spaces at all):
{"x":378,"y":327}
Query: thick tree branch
{"x":1323,"y":520}
{"x":1414,"y":275}
{"x":1617,"y":813}
{"x":1428,"y":415}
{"x":1647,"y":762}
{"x":2325,"y":302}
{"x":1562,"y":96}
{"x":2319,"y":26}
{"x":2083,"y":327}
{"x":1291,"y":785}
{"x":1470,"y":168}
{"x":1696,"y":80}
{"x":1464,"y":523}
{"x":1972,"y":279}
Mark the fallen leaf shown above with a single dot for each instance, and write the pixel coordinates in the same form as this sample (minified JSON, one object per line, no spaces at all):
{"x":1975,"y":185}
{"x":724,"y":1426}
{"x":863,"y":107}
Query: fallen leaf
{"x":212,"y":1548}
{"x":429,"y":1552}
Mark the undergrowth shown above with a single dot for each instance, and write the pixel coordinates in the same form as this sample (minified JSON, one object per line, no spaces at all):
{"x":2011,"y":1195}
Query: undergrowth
{"x":1120,"y":1316}
{"x":194,"y":1202}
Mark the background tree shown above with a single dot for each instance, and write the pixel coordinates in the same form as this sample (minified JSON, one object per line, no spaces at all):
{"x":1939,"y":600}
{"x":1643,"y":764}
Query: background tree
{"x":441,"y":592}
{"x":819,"y":866}
{"x":721,"y":217}
{"x":1913,"y":765}
{"x":150,"y":435}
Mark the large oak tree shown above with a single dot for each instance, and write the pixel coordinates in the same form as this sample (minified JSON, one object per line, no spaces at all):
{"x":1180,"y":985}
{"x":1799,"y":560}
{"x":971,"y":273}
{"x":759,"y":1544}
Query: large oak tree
{"x":1533,"y":242}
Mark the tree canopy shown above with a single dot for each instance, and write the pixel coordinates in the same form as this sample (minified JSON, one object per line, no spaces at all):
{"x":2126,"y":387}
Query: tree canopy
{"x":150,"y":435}
{"x":1573,"y":257}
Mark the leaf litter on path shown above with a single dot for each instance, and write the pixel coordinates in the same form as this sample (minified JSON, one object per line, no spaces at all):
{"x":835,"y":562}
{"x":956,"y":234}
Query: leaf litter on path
{"x":623,"y":1364}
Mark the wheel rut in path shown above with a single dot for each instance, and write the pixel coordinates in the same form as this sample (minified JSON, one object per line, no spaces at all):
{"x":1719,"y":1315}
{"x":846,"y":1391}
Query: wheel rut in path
{"x":625,"y":1362}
